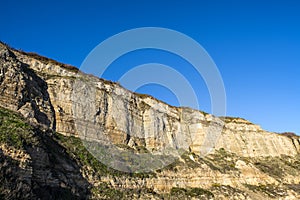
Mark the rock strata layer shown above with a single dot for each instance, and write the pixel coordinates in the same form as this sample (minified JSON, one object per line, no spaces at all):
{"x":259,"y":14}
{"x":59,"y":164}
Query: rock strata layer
{"x":69,"y":101}
{"x":219,"y":154}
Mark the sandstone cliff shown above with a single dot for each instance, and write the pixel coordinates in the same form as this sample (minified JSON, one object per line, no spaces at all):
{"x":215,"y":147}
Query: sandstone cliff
{"x":49,"y":90}
{"x":243,"y":161}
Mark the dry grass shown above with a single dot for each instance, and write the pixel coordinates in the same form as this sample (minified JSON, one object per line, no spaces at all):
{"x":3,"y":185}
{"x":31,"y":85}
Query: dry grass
{"x":42,"y":59}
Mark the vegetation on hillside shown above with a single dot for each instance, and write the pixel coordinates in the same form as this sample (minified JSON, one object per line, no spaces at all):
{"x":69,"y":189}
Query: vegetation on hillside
{"x":16,"y":133}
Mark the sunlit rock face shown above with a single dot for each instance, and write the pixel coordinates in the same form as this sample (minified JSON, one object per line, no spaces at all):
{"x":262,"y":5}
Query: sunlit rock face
{"x":23,"y":90}
{"x":78,"y":101}
{"x":221,"y":151}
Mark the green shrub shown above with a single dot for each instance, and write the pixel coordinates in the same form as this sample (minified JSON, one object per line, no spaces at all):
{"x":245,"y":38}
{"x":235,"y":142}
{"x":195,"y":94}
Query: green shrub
{"x":178,"y":191}
{"x":270,"y":190}
{"x":197,"y":192}
{"x":14,"y":131}
{"x":190,"y":192}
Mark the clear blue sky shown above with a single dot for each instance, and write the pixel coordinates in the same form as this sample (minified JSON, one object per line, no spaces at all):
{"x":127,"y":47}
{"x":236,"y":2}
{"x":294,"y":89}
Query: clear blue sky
{"x":255,"y":44}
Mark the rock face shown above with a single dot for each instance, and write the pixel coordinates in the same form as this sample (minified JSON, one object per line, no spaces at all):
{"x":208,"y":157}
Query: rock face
{"x":63,"y":99}
{"x":35,"y":166}
{"x":22,"y":90}
{"x":135,"y":119}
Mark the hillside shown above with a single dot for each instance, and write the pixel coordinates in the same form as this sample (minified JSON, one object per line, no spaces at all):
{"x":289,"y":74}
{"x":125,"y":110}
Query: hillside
{"x":50,"y":113}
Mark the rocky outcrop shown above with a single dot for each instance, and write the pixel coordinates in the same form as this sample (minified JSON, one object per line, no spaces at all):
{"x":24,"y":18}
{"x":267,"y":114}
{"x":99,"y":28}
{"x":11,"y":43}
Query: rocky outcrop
{"x":141,"y":120}
{"x":22,"y":90}
{"x":35,"y":166}
{"x":218,"y":154}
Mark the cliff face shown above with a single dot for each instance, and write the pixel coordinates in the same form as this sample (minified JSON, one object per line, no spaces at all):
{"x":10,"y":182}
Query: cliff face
{"x":238,"y":154}
{"x":22,"y":90}
{"x":135,"y":119}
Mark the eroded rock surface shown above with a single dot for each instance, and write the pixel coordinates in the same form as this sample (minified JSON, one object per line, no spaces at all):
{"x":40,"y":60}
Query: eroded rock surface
{"x":243,"y":160}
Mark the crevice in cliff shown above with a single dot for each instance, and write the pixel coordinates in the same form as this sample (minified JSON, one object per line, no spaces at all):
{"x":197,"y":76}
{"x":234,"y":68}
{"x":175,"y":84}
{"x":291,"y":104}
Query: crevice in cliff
{"x":128,"y":131}
{"x":295,"y":144}
{"x":38,"y":89}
